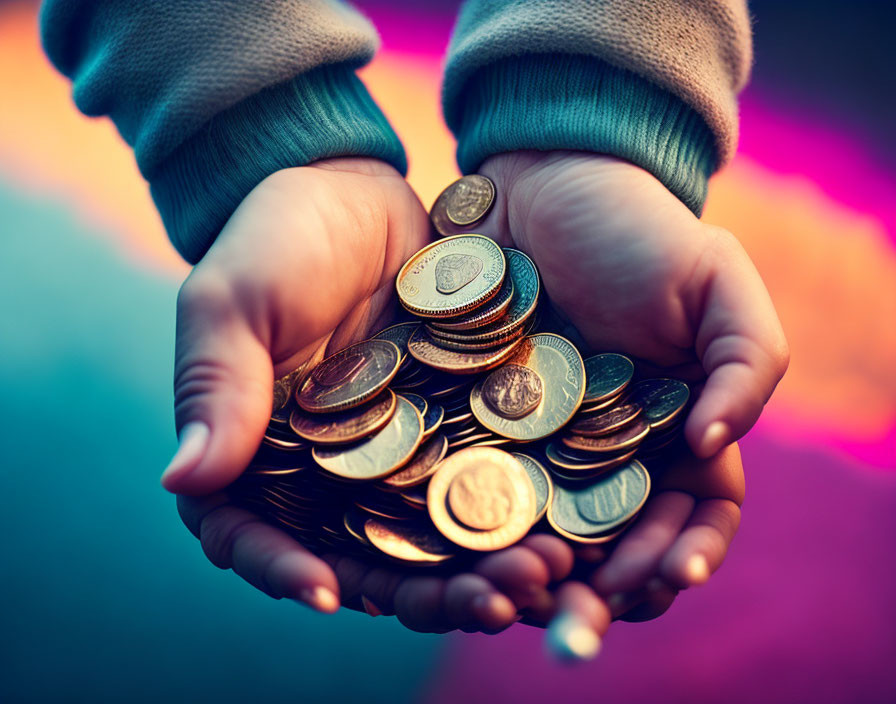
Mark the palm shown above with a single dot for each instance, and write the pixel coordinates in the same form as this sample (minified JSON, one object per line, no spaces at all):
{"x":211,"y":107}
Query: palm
{"x":617,"y":272}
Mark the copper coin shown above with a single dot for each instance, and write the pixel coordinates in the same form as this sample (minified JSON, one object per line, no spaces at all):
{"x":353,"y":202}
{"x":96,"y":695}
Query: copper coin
{"x":627,"y":437}
{"x":350,"y":377}
{"x":424,"y":349}
{"x":407,"y":541}
{"x":422,"y":465}
{"x":611,"y":420}
{"x":345,"y":426}
{"x":462,"y":204}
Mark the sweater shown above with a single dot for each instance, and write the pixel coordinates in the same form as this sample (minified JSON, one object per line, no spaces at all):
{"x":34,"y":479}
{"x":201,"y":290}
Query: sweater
{"x":215,"y":96}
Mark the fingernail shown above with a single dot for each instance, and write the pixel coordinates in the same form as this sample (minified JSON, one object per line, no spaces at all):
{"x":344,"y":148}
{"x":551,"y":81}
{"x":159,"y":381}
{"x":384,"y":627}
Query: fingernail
{"x":371,"y":608}
{"x":191,"y":446}
{"x":696,"y":569}
{"x":714,"y":438}
{"x":321,"y":599}
{"x":570,"y":639}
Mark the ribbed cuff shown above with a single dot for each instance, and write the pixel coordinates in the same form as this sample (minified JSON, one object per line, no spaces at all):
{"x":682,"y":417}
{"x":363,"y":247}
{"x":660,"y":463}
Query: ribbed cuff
{"x":324,"y":113}
{"x":559,"y":101}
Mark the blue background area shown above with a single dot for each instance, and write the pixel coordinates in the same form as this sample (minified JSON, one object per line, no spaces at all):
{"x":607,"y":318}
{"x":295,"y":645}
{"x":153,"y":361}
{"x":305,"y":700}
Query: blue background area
{"x":105,"y":594}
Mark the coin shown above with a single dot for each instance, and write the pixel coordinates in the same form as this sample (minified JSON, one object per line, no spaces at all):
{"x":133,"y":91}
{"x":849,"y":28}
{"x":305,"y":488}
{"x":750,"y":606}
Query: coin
{"x":354,"y":524}
{"x":526,"y":287}
{"x":350,"y":377}
{"x":464,"y":203}
{"x":565,"y":458}
{"x":481,"y":497}
{"x":422,"y":465}
{"x":461,"y":344}
{"x":418,"y":402}
{"x":345,"y":426}
{"x":590,"y":511}
{"x":424,"y":349}
{"x":541,"y":482}
{"x":451,"y":276}
{"x":407,"y":541}
{"x":600,"y":405}
{"x":432,"y":421}
{"x":627,"y":437}
{"x":513,"y":391}
{"x":606,"y":376}
{"x":663,"y":399}
{"x":399,"y":334}
{"x":488,"y":312}
{"x":559,"y":365}
{"x":595,"y":424}
{"x":516,"y":498}
{"x":279,"y":443}
{"x":380,"y":454}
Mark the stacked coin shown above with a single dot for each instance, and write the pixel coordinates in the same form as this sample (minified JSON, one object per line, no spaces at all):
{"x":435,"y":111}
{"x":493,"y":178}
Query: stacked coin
{"x":465,"y":428}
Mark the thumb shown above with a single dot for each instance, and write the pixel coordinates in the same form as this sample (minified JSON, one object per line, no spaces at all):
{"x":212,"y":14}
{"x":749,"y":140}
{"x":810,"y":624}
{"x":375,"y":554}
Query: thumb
{"x":223,"y":389}
{"x":743,"y":351}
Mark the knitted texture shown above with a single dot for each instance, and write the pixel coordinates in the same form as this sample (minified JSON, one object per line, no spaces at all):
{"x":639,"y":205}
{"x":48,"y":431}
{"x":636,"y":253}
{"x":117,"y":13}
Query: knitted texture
{"x":324,"y":113}
{"x":697,"y":50}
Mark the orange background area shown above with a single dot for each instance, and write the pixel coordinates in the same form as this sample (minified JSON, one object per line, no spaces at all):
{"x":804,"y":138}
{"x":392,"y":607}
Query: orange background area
{"x":830,"y":269}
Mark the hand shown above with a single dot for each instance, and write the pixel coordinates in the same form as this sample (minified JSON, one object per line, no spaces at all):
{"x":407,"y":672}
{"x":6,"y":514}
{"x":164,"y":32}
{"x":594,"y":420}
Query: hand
{"x":308,"y":260}
{"x":634,"y":271}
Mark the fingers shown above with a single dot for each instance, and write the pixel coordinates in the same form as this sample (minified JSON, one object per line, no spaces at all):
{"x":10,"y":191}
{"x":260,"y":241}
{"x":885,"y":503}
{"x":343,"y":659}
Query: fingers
{"x":264,"y":556}
{"x":222,"y":389}
{"x":743,"y":350}
{"x":472,"y":603}
{"x":702,"y":545}
{"x":654,"y":600}
{"x":635,"y":559}
{"x":523,"y":576}
{"x":718,"y":477}
{"x":582,"y":620}
{"x":556,"y":553}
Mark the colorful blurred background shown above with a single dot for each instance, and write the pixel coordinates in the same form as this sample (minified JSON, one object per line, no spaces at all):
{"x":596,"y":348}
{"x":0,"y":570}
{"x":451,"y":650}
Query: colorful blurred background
{"x":104,"y":596}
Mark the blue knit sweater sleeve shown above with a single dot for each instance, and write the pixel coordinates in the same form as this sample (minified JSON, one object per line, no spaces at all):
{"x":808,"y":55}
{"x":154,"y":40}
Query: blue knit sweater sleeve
{"x":650,"y":81}
{"x":216,"y":95}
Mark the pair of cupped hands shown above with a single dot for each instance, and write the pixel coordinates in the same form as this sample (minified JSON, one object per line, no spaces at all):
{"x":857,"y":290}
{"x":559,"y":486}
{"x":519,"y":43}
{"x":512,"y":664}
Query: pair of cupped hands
{"x":310,"y":258}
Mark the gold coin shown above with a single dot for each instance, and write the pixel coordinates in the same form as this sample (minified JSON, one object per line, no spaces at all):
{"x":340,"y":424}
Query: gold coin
{"x":629,"y":436}
{"x":541,"y":482}
{"x":558,"y":365}
{"x":407,"y":540}
{"x":382,"y":453}
{"x":354,"y":525}
{"x":526,"y":287}
{"x":451,"y":276}
{"x":488,"y":312}
{"x":399,"y":334}
{"x":463,"y":204}
{"x":345,"y":426}
{"x":350,"y":377}
{"x":519,"y":503}
{"x":422,"y":466}
{"x":481,"y":497}
{"x":425,"y":350}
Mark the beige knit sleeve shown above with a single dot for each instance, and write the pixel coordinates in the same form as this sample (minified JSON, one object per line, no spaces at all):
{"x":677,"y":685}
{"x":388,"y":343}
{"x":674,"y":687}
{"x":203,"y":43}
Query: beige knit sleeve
{"x":698,"y":50}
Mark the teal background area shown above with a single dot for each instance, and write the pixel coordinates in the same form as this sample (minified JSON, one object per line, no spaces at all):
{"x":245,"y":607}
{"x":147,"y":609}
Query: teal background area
{"x":106,"y":596}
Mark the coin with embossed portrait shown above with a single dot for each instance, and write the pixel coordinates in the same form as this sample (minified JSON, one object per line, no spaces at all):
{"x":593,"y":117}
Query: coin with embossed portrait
{"x":451,"y":276}
{"x":380,"y":454}
{"x":588,"y":511}
{"x":463,"y":204}
{"x":532,"y":403}
{"x":481,"y":498}
{"x":345,"y":426}
{"x":350,"y":377}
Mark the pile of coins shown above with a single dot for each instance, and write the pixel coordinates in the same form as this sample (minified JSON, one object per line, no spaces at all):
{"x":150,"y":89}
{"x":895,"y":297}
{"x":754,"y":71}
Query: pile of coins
{"x":466,"y":427}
